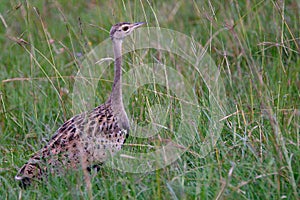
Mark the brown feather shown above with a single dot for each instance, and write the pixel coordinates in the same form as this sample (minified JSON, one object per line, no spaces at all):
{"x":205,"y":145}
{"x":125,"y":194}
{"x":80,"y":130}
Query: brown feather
{"x":89,"y":137}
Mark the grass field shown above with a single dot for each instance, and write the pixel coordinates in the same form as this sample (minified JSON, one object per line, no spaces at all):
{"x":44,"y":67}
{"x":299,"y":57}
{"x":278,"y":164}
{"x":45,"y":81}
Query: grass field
{"x":256,"y":47}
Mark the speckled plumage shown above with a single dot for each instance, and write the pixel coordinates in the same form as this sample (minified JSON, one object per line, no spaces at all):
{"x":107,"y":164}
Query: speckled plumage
{"x":84,"y":140}
{"x":87,"y":139}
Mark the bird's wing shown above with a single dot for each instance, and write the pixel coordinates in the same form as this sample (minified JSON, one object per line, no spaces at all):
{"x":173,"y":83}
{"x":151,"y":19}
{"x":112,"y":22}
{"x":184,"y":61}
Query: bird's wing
{"x":85,"y":136}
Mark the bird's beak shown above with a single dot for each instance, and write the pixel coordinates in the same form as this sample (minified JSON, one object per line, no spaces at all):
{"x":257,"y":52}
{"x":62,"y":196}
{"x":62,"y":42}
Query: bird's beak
{"x":138,"y":24}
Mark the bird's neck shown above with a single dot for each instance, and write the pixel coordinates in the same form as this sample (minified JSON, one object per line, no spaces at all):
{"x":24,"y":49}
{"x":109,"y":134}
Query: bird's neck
{"x":116,"y":94}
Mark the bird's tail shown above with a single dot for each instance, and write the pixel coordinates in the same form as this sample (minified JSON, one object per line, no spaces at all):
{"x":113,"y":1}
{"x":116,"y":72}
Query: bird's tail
{"x":30,"y":171}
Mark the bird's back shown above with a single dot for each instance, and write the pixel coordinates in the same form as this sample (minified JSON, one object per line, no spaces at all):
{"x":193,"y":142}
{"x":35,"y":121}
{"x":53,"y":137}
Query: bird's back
{"x":82,"y":141}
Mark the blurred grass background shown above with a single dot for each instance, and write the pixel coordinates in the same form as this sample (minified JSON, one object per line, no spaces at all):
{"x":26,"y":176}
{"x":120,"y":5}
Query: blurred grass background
{"x":256,"y":46}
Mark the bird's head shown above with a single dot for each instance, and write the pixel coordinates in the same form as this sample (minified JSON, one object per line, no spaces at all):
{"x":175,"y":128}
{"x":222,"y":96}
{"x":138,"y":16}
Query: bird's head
{"x":121,"y":30}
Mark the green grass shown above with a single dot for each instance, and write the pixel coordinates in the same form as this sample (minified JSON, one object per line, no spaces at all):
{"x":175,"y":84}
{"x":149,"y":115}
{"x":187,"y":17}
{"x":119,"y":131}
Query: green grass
{"x":256,"y":46}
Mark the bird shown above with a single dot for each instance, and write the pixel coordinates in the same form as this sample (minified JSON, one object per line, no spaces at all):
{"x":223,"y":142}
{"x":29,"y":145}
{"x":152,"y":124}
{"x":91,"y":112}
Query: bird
{"x":89,"y":138}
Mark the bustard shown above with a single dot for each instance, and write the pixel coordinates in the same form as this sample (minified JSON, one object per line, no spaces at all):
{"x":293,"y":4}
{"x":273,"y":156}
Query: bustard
{"x":86,"y":139}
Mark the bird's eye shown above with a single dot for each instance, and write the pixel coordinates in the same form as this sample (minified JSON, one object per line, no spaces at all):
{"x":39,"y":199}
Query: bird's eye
{"x":125,"y":28}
